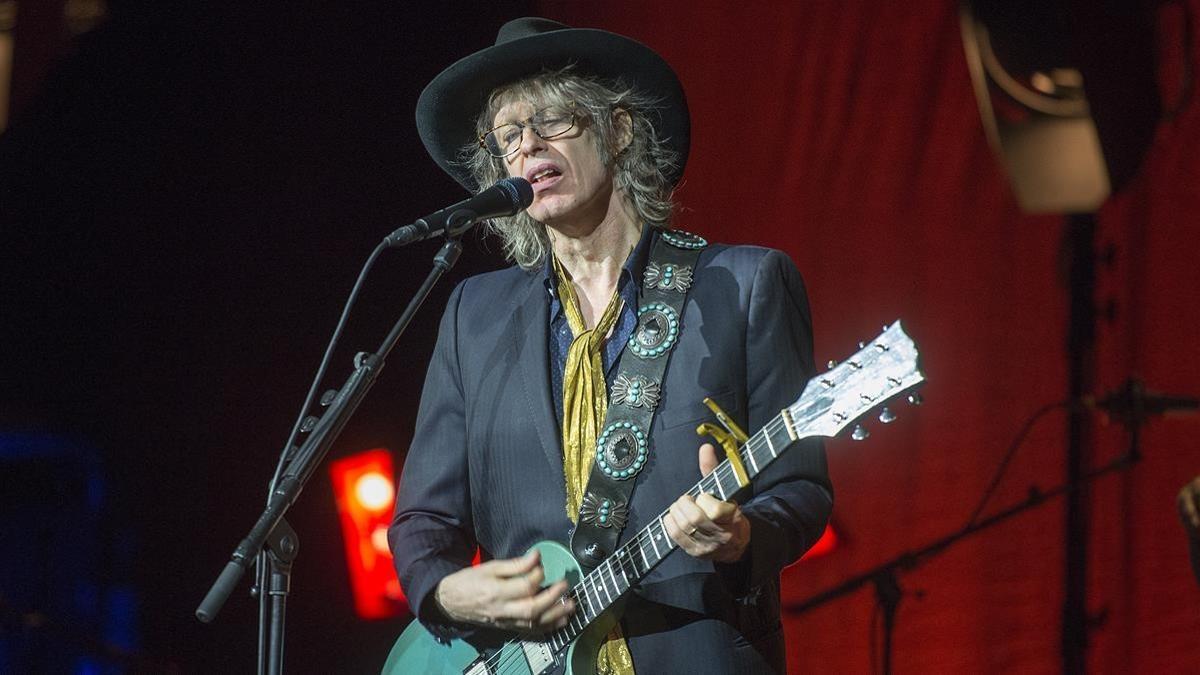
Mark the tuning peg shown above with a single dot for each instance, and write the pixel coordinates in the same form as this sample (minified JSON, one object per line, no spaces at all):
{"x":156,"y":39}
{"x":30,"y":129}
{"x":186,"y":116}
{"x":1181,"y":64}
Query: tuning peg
{"x":831,"y":364}
{"x":915,"y":399}
{"x":861,"y":345}
{"x":886,"y":415}
{"x":860,"y":433}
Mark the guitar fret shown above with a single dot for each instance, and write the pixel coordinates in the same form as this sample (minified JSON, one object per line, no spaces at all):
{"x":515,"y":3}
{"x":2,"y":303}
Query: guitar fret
{"x":633,"y":565}
{"x":750,"y":456}
{"x":642,"y":550}
{"x":770,"y":444}
{"x":720,"y":488}
{"x":596,"y":587}
{"x":588,"y":607}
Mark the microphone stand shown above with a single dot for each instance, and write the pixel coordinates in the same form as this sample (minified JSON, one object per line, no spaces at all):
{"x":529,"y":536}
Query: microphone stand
{"x":272,"y":542}
{"x":888,"y":591}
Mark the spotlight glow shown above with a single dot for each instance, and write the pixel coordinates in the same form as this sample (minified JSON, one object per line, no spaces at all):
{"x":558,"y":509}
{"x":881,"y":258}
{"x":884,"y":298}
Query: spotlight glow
{"x":374,"y":491}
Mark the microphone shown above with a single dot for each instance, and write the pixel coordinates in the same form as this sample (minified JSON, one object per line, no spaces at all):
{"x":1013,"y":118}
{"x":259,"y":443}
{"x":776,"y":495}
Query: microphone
{"x":505,"y":198}
{"x":1132,"y":403}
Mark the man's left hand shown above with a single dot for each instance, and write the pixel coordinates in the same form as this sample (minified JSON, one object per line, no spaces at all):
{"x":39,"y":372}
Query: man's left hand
{"x":706,"y":527}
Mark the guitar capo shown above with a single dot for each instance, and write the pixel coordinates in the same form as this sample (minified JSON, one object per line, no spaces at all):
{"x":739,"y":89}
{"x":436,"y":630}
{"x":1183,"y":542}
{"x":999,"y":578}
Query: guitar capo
{"x":730,"y":437}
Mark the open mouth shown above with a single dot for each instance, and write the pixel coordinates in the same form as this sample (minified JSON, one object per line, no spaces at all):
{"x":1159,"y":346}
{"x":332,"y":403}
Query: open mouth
{"x":544,"y":174}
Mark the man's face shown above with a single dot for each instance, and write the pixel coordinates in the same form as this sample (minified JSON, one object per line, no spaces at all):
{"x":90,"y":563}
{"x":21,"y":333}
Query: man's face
{"x":571,"y":185}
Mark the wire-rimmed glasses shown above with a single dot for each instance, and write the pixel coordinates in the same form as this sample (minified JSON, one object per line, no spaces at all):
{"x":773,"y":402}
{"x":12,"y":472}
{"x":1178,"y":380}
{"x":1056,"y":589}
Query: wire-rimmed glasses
{"x":547,"y":123}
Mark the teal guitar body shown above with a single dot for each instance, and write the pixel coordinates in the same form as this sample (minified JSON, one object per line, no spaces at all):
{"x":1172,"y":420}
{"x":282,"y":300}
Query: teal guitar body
{"x":417,"y":651}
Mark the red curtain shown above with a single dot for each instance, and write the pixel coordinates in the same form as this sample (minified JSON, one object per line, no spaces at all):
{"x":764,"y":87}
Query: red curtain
{"x":847,"y":134}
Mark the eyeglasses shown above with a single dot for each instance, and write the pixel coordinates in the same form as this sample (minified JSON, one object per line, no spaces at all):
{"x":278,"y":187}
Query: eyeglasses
{"x":547,"y":123}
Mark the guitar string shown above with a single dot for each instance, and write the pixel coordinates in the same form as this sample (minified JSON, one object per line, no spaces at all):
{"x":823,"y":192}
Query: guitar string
{"x":514,"y":656}
{"x":767,"y":430}
{"x":725,"y":467}
{"x":625,"y":559}
{"x":722,"y":471}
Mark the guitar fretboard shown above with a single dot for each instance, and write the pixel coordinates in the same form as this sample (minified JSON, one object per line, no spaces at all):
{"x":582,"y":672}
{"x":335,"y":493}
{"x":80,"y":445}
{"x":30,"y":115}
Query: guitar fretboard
{"x":605,"y":584}
{"x":879,"y":371}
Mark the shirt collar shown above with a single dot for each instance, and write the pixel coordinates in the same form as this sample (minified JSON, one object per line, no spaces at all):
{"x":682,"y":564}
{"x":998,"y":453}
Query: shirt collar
{"x":632,"y":271}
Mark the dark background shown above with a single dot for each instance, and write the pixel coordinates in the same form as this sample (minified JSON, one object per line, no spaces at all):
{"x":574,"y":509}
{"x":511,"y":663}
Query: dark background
{"x":188,"y":192}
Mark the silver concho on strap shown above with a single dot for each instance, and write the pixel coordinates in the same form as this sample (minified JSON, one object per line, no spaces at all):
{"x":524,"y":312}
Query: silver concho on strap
{"x":685,"y":240}
{"x":621,"y":450}
{"x":603,"y":512}
{"x":668,"y":277}
{"x":657,"y":330}
{"x":636,"y":392}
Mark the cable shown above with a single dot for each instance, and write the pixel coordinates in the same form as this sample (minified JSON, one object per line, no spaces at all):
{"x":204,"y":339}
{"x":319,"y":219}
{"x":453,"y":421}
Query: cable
{"x":1008,"y":455}
{"x":288,"y":447}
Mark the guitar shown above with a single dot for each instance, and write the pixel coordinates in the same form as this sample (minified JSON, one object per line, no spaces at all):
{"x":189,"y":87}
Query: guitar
{"x":878,"y":372}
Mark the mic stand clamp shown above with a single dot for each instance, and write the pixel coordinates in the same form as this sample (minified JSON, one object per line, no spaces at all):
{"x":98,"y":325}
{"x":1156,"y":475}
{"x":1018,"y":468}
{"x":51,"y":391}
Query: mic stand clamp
{"x":275,"y":575}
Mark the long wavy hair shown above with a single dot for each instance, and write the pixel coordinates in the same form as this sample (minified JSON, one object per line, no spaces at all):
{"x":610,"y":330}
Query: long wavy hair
{"x":640,"y":171}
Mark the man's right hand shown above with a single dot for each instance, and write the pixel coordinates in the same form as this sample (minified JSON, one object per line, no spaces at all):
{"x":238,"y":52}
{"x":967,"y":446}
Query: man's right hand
{"x":505,"y":594}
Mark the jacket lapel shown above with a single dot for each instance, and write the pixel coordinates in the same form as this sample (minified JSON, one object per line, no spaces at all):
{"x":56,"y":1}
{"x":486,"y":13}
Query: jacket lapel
{"x":530,"y":336}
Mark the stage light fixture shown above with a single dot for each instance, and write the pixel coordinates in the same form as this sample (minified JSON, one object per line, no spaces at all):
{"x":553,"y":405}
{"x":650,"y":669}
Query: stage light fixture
{"x":363,"y":489}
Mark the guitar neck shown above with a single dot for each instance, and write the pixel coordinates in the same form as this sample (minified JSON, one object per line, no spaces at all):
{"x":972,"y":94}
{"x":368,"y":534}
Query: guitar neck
{"x":604,"y":585}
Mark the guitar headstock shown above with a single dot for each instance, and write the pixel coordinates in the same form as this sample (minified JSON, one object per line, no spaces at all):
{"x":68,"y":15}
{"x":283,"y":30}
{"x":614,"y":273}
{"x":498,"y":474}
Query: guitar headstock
{"x":881,"y":370}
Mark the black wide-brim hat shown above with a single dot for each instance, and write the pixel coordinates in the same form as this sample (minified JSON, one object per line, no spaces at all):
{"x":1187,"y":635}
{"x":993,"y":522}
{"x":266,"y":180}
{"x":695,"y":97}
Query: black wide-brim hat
{"x":450,"y":104}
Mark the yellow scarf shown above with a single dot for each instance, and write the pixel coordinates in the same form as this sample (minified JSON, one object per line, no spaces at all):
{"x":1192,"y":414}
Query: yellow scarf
{"x":585,"y":403}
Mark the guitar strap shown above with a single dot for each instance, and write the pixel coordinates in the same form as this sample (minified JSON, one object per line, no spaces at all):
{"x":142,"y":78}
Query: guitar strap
{"x":624,"y":443}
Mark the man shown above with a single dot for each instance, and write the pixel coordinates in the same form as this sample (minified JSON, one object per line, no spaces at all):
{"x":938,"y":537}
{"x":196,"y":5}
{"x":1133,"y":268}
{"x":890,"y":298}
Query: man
{"x":515,"y":440}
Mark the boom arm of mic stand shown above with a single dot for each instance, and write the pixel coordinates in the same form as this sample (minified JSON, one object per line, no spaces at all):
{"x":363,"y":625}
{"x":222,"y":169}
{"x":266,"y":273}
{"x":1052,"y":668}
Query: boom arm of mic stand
{"x":911,"y":559}
{"x":315,"y":447}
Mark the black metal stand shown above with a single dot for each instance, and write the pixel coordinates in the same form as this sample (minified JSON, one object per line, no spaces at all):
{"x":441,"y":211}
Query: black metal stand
{"x":888,"y":595}
{"x":1080,"y":258}
{"x":271,"y":531}
{"x":888,"y":590}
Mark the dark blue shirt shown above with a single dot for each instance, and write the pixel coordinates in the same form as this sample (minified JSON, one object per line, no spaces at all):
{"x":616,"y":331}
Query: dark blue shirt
{"x":630,"y":288}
